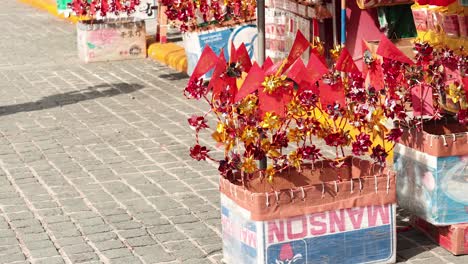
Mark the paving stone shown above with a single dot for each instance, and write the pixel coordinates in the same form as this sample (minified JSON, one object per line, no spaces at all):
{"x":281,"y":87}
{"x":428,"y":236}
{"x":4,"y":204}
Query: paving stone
{"x":91,"y":222}
{"x":83,"y":257}
{"x":432,"y":260}
{"x":7,"y":233}
{"x":20,"y":216}
{"x":414,"y":253}
{"x":77,"y":249}
{"x":109,"y":244}
{"x":5,"y":241}
{"x":118,"y":218}
{"x":154,"y":254}
{"x":39,"y":244}
{"x":141,"y":241}
{"x":44,"y":252}
{"x":13,"y":258}
{"x":56,"y":219}
{"x":127,"y":225}
{"x":68,"y":241}
{"x":10,"y":250}
{"x":102,"y":236}
{"x":117,"y":253}
{"x":49,"y":260}
{"x":127,"y":260}
{"x":89,"y":230}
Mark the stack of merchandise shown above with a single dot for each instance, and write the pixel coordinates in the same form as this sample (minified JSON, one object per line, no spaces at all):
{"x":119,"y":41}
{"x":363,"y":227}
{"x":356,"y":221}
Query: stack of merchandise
{"x":432,"y":162}
{"x":109,"y":30}
{"x":442,"y":22}
{"x":307,"y":205}
{"x":215,"y":23}
{"x":283,"y":18}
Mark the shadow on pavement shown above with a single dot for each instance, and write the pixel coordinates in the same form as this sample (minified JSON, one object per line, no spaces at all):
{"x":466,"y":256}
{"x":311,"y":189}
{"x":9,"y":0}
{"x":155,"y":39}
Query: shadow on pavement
{"x":174,"y":76}
{"x":56,"y":100}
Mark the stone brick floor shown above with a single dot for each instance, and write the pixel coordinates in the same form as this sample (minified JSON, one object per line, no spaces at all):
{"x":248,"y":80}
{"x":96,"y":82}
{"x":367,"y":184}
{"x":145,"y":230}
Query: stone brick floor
{"x":94,"y":165}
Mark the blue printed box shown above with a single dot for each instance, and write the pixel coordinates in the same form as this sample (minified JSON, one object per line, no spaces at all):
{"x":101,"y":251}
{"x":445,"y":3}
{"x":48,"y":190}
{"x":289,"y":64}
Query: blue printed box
{"x":434,"y":188}
{"x":218,"y":40}
{"x":354,"y":235}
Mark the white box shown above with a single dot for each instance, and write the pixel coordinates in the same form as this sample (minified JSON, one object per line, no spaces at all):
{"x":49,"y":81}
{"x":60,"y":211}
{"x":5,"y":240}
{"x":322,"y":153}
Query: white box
{"x":108,"y":40}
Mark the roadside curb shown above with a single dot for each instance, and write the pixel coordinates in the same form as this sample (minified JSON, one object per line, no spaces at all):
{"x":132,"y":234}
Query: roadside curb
{"x":51,"y":7}
{"x":169,"y":54}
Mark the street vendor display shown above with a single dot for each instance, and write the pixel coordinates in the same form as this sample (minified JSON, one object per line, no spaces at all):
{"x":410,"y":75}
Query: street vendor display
{"x":108,"y":31}
{"x":306,"y":197}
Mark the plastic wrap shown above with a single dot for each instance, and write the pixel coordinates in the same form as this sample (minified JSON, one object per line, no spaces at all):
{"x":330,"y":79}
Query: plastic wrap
{"x":353,"y":235}
{"x":280,"y":30}
{"x":433,"y":188}
{"x":107,"y":40}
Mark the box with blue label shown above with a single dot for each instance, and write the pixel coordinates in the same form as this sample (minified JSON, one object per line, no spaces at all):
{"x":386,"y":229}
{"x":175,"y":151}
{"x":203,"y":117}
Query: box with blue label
{"x":346,"y":221}
{"x":432,"y":175}
{"x":353,"y":235}
{"x":219,"y":39}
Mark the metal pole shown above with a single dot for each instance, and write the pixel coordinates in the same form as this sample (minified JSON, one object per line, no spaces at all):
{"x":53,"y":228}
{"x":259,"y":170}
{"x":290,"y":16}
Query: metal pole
{"x":261,"y":31}
{"x":343,"y":22}
{"x":261,"y":51}
{"x":335,"y":30}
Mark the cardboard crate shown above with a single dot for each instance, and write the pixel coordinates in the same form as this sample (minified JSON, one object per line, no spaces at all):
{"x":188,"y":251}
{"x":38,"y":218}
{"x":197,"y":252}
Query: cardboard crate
{"x":113,"y":39}
{"x":432,"y":173}
{"x":354,"y":235}
{"x":454,"y":238}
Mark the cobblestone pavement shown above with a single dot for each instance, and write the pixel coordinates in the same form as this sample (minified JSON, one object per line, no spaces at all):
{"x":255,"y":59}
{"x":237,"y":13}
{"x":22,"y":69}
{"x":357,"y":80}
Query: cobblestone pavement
{"x":94,"y":165}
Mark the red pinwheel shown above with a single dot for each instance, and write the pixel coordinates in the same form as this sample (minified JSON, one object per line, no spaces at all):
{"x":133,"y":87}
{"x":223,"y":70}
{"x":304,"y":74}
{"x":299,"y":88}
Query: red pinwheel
{"x":372,"y":70}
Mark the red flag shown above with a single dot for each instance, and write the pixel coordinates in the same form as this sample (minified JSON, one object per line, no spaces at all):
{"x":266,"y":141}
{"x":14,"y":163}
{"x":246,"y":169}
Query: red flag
{"x":243,"y":57}
{"x":275,"y":102}
{"x":297,"y":71}
{"x":267,"y":63}
{"x":299,"y":46}
{"x":388,"y":50}
{"x":252,"y":82}
{"x":331,"y":94}
{"x":421,"y":97}
{"x":273,"y":69}
{"x":315,"y":69}
{"x":346,"y":63}
{"x":233,"y":53}
{"x":206,"y":62}
{"x":216,"y":82}
{"x":319,"y":56}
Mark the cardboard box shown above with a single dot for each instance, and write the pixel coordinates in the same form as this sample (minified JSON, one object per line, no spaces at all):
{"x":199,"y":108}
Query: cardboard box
{"x":433,"y":188}
{"x":405,"y":45}
{"x":113,"y":39}
{"x":354,"y":235}
{"x":454,"y":238}
{"x":432,"y":172}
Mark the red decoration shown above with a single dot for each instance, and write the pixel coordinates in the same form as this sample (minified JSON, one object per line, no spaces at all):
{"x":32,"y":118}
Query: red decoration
{"x":299,"y":46}
{"x":388,"y":50}
{"x":421,"y":96}
{"x":252,"y":82}
{"x":206,"y":62}
{"x":331,"y":94}
{"x":345,"y":63}
{"x":372,"y":72}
